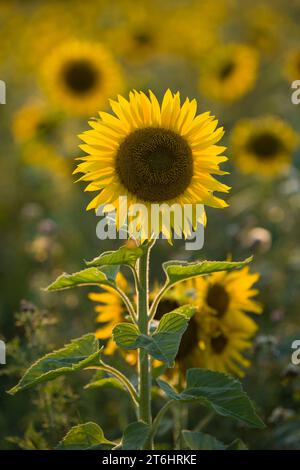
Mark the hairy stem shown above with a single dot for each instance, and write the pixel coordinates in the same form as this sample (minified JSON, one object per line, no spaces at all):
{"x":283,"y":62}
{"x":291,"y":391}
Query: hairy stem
{"x":144,"y":363}
{"x":122,"y":379}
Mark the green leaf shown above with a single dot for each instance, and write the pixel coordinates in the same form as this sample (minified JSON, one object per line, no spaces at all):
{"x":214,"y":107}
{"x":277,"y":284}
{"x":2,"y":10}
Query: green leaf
{"x":217,"y":391}
{"x":78,"y":354}
{"x":201,"y":441}
{"x":135,"y":436}
{"x":108,"y":382}
{"x":166,"y":339}
{"x":177,"y":271}
{"x":88,"y":436}
{"x":124,"y":255}
{"x":237,"y":444}
{"x":126,"y":335}
{"x":164,"y":343}
{"x":89,"y":276}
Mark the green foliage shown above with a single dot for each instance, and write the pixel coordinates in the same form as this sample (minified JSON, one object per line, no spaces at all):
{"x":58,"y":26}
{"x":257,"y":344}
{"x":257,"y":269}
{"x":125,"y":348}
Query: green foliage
{"x":135,"y":436}
{"x":122,"y":256}
{"x":177,"y":271}
{"x":202,"y":441}
{"x":77,"y":355}
{"x":88,"y":436}
{"x":86,"y":277}
{"x":107,"y":382}
{"x":217,"y":391}
{"x":164,"y":343}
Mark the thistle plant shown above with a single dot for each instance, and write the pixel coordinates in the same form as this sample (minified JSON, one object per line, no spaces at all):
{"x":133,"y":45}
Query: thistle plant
{"x":151,"y":153}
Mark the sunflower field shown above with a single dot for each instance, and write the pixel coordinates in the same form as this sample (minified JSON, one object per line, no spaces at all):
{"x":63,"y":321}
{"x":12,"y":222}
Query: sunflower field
{"x":111,"y":111}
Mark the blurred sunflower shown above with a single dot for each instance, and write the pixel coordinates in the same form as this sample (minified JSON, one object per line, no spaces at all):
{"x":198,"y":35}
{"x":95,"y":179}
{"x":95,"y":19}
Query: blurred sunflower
{"x":292,"y":66}
{"x":229,"y":295}
{"x":32,"y":121}
{"x":263,"y":145}
{"x":221,"y":347}
{"x":80,"y":76}
{"x":229,"y":73}
{"x":221,"y":329}
{"x":153,"y":153}
{"x":139,"y":33}
{"x":110,"y":310}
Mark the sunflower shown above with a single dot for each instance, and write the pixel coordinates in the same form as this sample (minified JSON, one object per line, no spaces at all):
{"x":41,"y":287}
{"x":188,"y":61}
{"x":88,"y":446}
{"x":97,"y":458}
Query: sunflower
{"x":229,"y":73}
{"x":221,"y":327}
{"x":32,"y":121}
{"x":229,"y":295}
{"x":110,"y":310}
{"x":263,"y":145}
{"x":222,"y":347}
{"x":80,"y":76}
{"x":153,"y":153}
{"x":292,"y":66}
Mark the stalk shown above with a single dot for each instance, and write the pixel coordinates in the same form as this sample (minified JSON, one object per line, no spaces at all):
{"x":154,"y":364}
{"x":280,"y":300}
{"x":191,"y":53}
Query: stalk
{"x":144,"y":363}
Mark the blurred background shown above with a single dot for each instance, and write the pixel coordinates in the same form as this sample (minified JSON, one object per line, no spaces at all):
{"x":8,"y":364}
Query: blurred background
{"x":61,"y":62}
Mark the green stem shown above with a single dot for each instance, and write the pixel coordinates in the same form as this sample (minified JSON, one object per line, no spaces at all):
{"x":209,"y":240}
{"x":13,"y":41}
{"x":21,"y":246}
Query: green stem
{"x":122,"y":379}
{"x":144,"y":363}
{"x":156,"y":301}
{"x":128,"y":304}
{"x":159,"y":416}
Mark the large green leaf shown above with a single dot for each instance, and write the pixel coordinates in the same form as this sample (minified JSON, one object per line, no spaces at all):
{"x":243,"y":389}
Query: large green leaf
{"x":217,"y":391}
{"x":88,"y":436}
{"x":135,"y":436}
{"x":78,"y":354}
{"x":88,"y":276}
{"x":201,"y":441}
{"x":107,"y":382}
{"x":126,"y":335}
{"x":177,"y":271}
{"x":124,"y":255}
{"x":164,"y":343}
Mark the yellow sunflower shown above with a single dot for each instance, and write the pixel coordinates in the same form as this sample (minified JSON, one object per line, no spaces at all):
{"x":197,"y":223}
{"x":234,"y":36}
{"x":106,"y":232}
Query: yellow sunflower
{"x":229,"y":296}
{"x":32,"y":121}
{"x":263,"y":145}
{"x":222,"y":347}
{"x":80,"y":76}
{"x":229,"y":73}
{"x":153,"y":153}
{"x":110,"y":310}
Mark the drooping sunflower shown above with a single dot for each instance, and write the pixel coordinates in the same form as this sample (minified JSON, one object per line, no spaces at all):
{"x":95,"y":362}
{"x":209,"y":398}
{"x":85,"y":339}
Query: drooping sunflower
{"x":153,"y":153}
{"x":110,"y":310}
{"x":263,"y":146}
{"x":229,"y":73}
{"x":80,"y":76}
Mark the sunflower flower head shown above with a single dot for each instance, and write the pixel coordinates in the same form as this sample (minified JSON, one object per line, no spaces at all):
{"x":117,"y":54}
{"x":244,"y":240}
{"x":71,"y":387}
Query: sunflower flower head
{"x":229,"y":73}
{"x":79,"y":75}
{"x":152,"y":153}
{"x":263,"y":146}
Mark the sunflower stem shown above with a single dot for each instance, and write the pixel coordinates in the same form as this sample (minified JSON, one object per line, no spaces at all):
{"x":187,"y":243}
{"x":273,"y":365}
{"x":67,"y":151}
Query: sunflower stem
{"x":144,"y":363}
